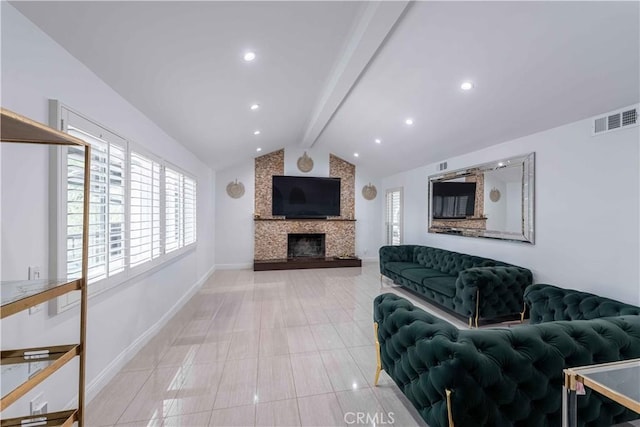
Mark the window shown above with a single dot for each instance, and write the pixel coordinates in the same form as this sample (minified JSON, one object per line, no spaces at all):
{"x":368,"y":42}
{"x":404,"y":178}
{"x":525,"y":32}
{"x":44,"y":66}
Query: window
{"x":190,"y":191}
{"x":180,"y":210}
{"x":393,"y":216}
{"x":140,"y":211}
{"x":174,"y":209}
{"x":107,"y":205}
{"x":144,"y":211}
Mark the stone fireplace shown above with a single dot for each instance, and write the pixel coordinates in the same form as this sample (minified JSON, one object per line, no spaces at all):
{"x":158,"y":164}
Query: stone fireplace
{"x":273,"y":249}
{"x":305,"y":245}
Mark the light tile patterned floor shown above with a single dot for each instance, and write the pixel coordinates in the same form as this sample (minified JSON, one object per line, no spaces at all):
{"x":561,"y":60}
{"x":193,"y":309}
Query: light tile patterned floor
{"x":266,"y":348}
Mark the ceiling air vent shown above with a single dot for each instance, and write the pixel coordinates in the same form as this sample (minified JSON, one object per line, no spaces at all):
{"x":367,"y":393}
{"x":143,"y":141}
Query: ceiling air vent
{"x":442,"y":166}
{"x":627,"y":117}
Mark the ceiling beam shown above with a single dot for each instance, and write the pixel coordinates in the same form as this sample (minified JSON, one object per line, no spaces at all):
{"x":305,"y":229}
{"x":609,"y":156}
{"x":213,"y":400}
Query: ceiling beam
{"x":373,"y":26}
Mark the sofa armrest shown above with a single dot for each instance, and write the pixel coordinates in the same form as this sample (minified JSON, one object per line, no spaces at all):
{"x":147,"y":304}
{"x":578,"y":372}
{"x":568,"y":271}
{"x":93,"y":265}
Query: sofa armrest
{"x":548,"y":303}
{"x":406,"y":334}
{"x":400,"y":324}
{"x":401,"y":253}
{"x":500,"y":289}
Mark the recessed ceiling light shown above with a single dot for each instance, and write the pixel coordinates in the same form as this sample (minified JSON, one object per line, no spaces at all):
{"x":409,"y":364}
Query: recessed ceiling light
{"x":258,"y":149}
{"x":356,"y":155}
{"x":255,"y":106}
{"x":256,"y":132}
{"x":378,"y":141}
{"x":249,"y":56}
{"x":466,"y":86}
{"x":409,"y":122}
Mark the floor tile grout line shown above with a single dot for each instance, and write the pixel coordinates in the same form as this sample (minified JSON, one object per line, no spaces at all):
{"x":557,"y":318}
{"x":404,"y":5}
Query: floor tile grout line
{"x":348,"y":295}
{"x":295,"y":391}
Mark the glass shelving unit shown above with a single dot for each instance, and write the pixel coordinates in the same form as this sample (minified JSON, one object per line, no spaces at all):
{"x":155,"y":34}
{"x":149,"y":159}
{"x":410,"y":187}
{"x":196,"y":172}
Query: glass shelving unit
{"x":20,"y":295}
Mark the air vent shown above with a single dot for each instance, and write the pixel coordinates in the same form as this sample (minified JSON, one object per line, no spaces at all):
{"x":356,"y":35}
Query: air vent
{"x":630,"y":117}
{"x":442,"y":166}
{"x":627,"y":117}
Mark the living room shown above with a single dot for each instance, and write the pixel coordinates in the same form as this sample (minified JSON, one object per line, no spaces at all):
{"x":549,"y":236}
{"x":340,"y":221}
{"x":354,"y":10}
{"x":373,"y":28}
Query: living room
{"x":384,"y":95}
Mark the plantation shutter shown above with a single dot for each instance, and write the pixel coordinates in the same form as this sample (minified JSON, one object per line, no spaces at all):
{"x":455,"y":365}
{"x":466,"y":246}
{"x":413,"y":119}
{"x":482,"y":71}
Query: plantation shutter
{"x":174,"y":210}
{"x":393,"y":215}
{"x":144,"y":211}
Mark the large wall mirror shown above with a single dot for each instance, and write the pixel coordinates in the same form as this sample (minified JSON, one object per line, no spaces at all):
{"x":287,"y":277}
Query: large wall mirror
{"x":493,"y":200}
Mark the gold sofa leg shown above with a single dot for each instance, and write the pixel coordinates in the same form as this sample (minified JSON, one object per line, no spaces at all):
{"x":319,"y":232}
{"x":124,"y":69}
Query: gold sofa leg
{"x":524,"y":310}
{"x":449,"y":411}
{"x":474,"y":319}
{"x":378,"y":361}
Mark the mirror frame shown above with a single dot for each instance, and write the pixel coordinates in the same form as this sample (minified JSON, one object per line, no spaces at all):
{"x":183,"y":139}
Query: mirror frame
{"x":526,"y":235}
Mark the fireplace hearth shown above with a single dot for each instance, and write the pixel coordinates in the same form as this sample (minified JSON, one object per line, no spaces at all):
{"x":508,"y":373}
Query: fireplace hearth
{"x":305,"y":245}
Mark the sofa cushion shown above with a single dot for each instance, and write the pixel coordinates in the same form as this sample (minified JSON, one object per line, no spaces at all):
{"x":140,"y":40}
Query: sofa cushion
{"x":398,"y":267}
{"x":445,"y":285}
{"x":419,"y":274}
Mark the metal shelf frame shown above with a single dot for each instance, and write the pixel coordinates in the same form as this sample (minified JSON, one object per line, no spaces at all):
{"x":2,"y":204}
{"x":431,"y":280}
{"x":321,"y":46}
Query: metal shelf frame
{"x":15,"y":128}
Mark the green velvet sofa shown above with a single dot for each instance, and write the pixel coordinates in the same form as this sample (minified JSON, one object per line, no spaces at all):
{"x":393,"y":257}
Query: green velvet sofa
{"x":472,"y":287}
{"x":506,"y":376}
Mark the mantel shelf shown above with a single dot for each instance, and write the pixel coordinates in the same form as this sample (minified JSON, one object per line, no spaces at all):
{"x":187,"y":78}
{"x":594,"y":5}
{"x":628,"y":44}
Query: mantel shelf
{"x":304,"y":219}
{"x":471,"y":218}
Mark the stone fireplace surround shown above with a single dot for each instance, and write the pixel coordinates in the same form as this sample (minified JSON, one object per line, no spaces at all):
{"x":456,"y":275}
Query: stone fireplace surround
{"x":271,"y":233}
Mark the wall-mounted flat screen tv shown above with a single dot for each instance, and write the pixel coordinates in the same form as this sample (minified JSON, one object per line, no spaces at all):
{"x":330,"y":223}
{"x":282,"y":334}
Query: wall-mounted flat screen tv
{"x":305,"y":197}
{"x":453,"y":200}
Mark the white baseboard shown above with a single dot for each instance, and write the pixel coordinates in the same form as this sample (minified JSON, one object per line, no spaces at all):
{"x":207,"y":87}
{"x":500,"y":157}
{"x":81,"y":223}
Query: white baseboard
{"x":370,"y":259}
{"x":242,"y":266}
{"x":102,"y":379}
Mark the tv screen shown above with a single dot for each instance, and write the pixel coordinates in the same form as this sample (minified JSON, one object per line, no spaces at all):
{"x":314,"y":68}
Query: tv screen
{"x":305,"y":197}
{"x":453,"y":200}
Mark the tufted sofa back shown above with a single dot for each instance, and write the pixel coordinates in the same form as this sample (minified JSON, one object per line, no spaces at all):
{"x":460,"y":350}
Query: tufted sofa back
{"x":548,"y":303}
{"x":448,"y":262}
{"x":499,"y":377}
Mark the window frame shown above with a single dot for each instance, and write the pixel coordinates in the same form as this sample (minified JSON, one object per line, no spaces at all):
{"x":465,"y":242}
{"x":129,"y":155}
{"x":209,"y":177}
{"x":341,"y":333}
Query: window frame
{"x":59,"y":117}
{"x":389,"y":224}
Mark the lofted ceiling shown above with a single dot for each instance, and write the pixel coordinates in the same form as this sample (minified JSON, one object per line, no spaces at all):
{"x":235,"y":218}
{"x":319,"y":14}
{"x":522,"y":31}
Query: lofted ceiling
{"x":338,"y":75}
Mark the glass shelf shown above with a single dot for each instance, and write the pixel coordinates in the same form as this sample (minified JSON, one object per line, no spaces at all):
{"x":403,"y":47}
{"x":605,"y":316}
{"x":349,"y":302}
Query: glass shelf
{"x":53,"y":419}
{"x":18,"y":295}
{"x":24,"y":369}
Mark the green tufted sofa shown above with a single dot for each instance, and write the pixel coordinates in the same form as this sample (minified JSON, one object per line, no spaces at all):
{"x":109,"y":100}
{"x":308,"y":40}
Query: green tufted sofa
{"x":506,"y":376}
{"x":469,"y":286}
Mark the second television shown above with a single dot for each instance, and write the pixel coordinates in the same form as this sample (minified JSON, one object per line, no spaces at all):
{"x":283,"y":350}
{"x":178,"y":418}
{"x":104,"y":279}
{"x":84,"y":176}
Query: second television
{"x":305,"y":197}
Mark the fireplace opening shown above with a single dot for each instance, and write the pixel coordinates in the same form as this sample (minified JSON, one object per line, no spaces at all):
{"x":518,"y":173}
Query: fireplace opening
{"x":305,"y":246}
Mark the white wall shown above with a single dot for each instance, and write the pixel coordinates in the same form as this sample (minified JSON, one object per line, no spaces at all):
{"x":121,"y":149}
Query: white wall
{"x":320,"y":161}
{"x":34,"y":70}
{"x":513,"y":198}
{"x":234,"y":217}
{"x":369,"y":216}
{"x":587,"y":220}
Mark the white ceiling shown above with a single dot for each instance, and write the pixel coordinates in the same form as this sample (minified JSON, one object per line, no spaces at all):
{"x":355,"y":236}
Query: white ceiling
{"x":337,"y":75}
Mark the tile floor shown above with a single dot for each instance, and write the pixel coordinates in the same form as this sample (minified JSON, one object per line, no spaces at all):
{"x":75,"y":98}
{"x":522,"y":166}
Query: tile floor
{"x":270,"y":348}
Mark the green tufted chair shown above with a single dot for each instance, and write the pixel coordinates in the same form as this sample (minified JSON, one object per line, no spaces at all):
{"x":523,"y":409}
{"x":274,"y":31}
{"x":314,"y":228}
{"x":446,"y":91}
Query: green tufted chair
{"x":506,"y":376}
